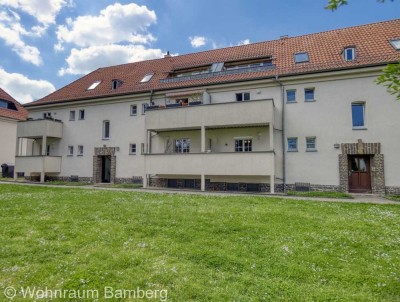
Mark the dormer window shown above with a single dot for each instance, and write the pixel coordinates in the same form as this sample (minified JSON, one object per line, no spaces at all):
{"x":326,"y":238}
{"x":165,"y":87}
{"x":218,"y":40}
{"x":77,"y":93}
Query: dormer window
{"x":147,"y":78}
{"x":395,"y":43}
{"x":301,"y":57}
{"x":94,"y":85}
{"x":116,"y":84}
{"x":7,"y":105}
{"x":349,"y":54}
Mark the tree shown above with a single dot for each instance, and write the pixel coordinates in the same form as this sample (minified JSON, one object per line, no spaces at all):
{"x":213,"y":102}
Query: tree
{"x":390,"y":78}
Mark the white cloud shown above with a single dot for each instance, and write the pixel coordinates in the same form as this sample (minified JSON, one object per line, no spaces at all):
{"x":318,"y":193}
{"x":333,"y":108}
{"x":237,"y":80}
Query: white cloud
{"x":45,"y":11}
{"x":116,"y":23}
{"x":88,"y":59}
{"x":24,"y":89}
{"x":244,"y":42}
{"x":11,"y":31}
{"x":197,"y":41}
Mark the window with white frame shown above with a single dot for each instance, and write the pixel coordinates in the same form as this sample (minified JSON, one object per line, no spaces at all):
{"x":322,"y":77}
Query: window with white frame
{"x":311,"y":143}
{"x":349,"y":53}
{"x":132,"y":149}
{"x":309,"y":94}
{"x":133,"y":109}
{"x":292,"y":144}
{"x":146,"y":78}
{"x":94,"y":85}
{"x":358,"y":114}
{"x":182,"y":145}
{"x":47,"y":115}
{"x":80,"y":150}
{"x":82,"y":114}
{"x":301,"y":57}
{"x":106,"y":129}
{"x":291,"y":96}
{"x":243,"y":145}
{"x":72,"y":115}
{"x":243,"y":96}
{"x":70,"y":150}
{"x":395,"y":43}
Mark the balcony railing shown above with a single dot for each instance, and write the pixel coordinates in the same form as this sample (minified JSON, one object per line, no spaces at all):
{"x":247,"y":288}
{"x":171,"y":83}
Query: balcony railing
{"x":37,"y":164}
{"x":40,"y":128}
{"x":258,"y":112}
{"x":223,"y":163}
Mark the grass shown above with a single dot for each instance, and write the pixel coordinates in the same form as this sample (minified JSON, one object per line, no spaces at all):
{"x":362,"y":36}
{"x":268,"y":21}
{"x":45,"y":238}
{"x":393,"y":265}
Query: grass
{"x":393,"y":197}
{"x":67,"y":183}
{"x":198,"y":247}
{"x":121,"y":186}
{"x":339,"y":195}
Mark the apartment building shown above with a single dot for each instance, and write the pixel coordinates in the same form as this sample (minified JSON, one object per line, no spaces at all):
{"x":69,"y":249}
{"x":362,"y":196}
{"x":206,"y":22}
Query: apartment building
{"x":10,"y":113}
{"x":298,"y":112}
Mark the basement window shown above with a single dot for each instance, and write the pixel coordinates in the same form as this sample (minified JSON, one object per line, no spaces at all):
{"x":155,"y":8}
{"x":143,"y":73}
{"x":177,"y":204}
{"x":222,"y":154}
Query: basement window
{"x":301,"y":57}
{"x":94,"y":85}
{"x":395,"y":43}
{"x":147,"y":78}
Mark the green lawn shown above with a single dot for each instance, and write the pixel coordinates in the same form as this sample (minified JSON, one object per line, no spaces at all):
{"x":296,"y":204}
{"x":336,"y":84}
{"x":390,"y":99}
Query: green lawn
{"x":393,"y":197}
{"x":198,"y":247}
{"x":340,"y":195}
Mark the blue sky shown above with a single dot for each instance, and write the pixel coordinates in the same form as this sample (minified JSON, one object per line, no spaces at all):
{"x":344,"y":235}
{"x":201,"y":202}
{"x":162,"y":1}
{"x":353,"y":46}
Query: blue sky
{"x":44,"y":45}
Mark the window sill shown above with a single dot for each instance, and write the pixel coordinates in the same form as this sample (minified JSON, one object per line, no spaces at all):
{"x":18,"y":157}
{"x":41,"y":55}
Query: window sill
{"x":80,"y":155}
{"x":133,"y":114}
{"x":81,"y":119}
{"x":132,"y":153}
{"x":360,"y":128}
{"x":70,"y":155}
{"x":311,"y":150}
{"x":293,"y":102}
{"x":72,"y":120}
{"x":293,"y":150}
{"x":309,"y":101}
{"x":105,"y":139}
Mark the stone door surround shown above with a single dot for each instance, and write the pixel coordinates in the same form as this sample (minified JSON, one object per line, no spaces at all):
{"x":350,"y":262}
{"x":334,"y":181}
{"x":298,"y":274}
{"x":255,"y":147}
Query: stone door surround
{"x":377,"y":164}
{"x":97,"y":163}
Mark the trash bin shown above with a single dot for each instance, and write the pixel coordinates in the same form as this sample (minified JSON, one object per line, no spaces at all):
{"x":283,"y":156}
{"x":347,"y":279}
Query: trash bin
{"x":4,"y":170}
{"x":10,"y":172}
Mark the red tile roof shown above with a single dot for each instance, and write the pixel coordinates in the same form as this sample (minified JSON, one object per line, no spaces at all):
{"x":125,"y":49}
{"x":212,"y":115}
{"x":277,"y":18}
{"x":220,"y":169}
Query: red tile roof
{"x":19,"y":114}
{"x":372,"y":42}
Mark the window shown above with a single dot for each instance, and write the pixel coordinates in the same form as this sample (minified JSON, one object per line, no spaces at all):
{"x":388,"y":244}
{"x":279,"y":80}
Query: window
{"x":311,"y":144}
{"x":116,"y":84}
{"x":133,"y":109}
{"x":309,"y":94}
{"x":106,"y":129}
{"x":80,"y":150}
{"x":182,"y":145}
{"x":72,"y":115}
{"x":395,"y":43}
{"x":94,"y":85}
{"x":82,"y":114}
{"x":243,"y":96}
{"x":144,"y":107}
{"x":3,"y":104}
{"x":132,"y":149}
{"x":291,"y":96}
{"x":349,"y":53}
{"x":358,"y":114}
{"x":243,"y":145}
{"x":301,"y":57}
{"x":70,"y":150}
{"x":292,"y":144}
{"x":147,"y":78}
{"x":47,"y":115}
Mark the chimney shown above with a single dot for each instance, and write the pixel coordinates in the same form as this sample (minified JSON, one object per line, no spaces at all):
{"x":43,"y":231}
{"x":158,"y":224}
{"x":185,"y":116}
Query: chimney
{"x":168,"y":55}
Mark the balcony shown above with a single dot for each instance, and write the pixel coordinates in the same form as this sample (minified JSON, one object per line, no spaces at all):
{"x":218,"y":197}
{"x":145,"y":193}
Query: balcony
{"x":38,"y":164}
{"x":259,"y":112}
{"x":222,"y":163}
{"x":40,"y":128}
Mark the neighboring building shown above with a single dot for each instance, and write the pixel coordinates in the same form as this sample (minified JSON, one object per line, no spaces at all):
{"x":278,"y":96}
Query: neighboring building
{"x":302,"y":111}
{"x":10,"y":113}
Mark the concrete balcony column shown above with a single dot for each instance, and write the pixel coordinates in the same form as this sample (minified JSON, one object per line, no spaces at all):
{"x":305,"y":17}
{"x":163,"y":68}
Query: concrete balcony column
{"x":203,"y":139}
{"x":203,"y":183}
{"x":271,"y":137}
{"x":272,"y":183}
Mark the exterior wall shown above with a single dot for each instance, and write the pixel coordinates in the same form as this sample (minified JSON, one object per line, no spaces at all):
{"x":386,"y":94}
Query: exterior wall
{"x":8,"y":136}
{"x":329,"y":119}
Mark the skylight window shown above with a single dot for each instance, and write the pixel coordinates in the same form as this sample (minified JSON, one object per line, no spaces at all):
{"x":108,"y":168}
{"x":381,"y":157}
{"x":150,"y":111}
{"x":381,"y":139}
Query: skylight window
{"x":147,"y":78}
{"x":94,"y":85}
{"x":301,"y":57}
{"x":395,"y":43}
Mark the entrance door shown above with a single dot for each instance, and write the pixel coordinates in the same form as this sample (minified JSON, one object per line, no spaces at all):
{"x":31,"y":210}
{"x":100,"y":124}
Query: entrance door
{"x":359,"y":174}
{"x":106,"y":169}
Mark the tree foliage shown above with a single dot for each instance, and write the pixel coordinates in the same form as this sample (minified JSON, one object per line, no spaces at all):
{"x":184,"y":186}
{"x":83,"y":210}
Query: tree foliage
{"x":390,"y":78}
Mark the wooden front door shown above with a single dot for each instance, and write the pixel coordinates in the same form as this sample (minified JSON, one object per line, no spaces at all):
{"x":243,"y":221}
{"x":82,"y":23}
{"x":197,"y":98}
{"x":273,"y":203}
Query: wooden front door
{"x":359,"y":174}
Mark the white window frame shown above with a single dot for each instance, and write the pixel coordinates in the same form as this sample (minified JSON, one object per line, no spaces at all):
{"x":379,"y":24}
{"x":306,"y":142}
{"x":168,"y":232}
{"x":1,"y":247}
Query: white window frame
{"x":305,"y":94}
{"x":353,"y":54}
{"x":395,"y":43}
{"x":243,"y":146}
{"x":47,"y":115}
{"x":131,"y":110}
{"x":181,"y":149}
{"x":131,"y":152}
{"x":147,"y":78}
{"x":298,"y":57}
{"x":70,"y":151}
{"x":352,"y":122}
{"x":81,"y":112}
{"x":289,"y":149}
{"x":80,"y":150}
{"x":104,"y":130}
{"x":311,"y":149}
{"x":72,"y":115}
{"x":243,"y":94}
{"x":94,"y":85}
{"x":295,"y":96}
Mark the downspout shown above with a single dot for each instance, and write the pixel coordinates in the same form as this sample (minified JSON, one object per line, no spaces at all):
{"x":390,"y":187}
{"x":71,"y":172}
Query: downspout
{"x":283,"y":132}
{"x":151,"y":96}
